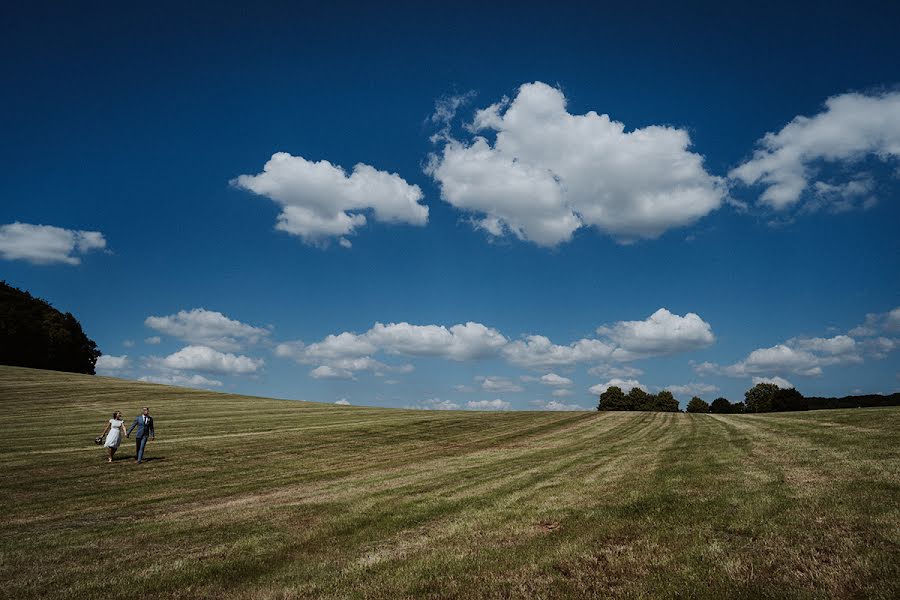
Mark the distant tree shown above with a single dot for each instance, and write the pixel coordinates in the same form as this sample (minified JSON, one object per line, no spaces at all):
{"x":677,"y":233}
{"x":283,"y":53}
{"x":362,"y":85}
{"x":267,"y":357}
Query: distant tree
{"x":613,"y":399}
{"x":720,"y":406}
{"x":638,"y":399}
{"x":818,"y":403}
{"x":697,"y":405}
{"x":738,"y":408}
{"x":789,"y":399}
{"x":34,"y":334}
{"x":666,"y":402}
{"x":759,"y":398}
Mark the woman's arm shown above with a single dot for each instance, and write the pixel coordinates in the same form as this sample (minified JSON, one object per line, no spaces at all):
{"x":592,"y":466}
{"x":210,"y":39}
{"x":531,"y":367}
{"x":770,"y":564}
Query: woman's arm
{"x":105,"y":429}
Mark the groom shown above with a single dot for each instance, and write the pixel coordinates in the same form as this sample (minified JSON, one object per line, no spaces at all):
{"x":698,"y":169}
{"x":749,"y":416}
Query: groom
{"x":144,"y":424}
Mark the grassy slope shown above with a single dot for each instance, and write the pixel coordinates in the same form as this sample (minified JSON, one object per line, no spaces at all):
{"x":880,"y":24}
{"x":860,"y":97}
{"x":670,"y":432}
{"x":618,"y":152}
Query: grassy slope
{"x":260,"y":498}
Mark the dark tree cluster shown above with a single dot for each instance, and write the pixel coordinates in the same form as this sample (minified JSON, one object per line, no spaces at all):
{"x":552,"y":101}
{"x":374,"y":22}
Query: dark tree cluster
{"x":637,"y":399}
{"x":721,"y":406}
{"x":697,"y":405}
{"x":763,"y":397}
{"x":768,"y":397}
{"x":869,"y":400}
{"x":34,"y":334}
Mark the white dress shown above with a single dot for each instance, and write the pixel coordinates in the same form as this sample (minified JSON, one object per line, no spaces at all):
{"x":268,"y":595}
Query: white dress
{"x":115,"y":431}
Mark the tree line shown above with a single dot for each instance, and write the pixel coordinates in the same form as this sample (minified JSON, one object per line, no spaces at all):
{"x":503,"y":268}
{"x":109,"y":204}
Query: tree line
{"x":34,"y":334}
{"x":761,"y":398}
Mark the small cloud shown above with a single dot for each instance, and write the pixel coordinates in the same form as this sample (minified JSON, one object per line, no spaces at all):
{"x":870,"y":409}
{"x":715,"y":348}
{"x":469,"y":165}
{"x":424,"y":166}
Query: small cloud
{"x":46,"y":244}
{"x":181,"y":380}
{"x":203,"y":358}
{"x":624,"y":384}
{"x":498,"y":384}
{"x":208,"y":328}
{"x":109,"y":364}
{"x":153,"y":340}
{"x":435,"y":404}
{"x":692,"y":389}
{"x":343,"y":402}
{"x":488,"y":404}
{"x":555,"y":380}
{"x":553,"y":405}
{"x":779,"y":381}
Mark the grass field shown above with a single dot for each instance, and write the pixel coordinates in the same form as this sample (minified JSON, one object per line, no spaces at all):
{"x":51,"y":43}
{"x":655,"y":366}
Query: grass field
{"x":255,"y":498}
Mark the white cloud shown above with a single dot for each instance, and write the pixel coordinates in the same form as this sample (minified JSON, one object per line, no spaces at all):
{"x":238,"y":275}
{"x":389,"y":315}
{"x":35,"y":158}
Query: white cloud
{"x":692,"y":389}
{"x":109,"y":363}
{"x":207,"y":328}
{"x":341,"y":355}
{"x":557,"y":406}
{"x":834,"y":346}
{"x":798,"y":356}
{"x":555,"y":380}
{"x":153,"y":340}
{"x":328,"y":372}
{"x":445,"y":109}
{"x":179,"y":379}
{"x":459,"y":342}
{"x":620,"y":371}
{"x":879,"y":347}
{"x":842,"y":197}
{"x":876,"y":323}
{"x":779,"y":381}
{"x":537,"y":351}
{"x":435,"y":404}
{"x":46,"y":244}
{"x":343,"y":402}
{"x":498,"y":384}
{"x":204,"y":358}
{"x":319,"y":201}
{"x":128,"y":343}
{"x":560,"y":393}
{"x":662,"y":333}
{"x":851,"y":128}
{"x":488,"y":404}
{"x":778,"y":358}
{"x":625,"y":384}
{"x":550,"y":172}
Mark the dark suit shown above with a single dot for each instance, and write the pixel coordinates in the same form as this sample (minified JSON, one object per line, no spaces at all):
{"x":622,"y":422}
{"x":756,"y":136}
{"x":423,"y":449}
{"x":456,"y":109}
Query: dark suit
{"x":144,"y":432}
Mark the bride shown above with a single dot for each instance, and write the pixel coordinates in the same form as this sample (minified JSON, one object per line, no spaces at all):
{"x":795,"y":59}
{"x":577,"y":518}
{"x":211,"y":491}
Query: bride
{"x":114,"y":430}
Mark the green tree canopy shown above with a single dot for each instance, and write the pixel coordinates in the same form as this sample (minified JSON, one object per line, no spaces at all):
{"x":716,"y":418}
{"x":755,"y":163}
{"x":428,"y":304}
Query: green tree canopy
{"x":666,"y":402}
{"x":638,"y":399}
{"x":697,"y":405}
{"x":720,"y":406}
{"x":759,"y":398}
{"x":789,"y":399}
{"x":34,"y":334}
{"x":613,"y":399}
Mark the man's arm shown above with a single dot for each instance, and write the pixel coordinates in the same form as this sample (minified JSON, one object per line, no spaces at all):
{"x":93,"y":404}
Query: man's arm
{"x":130,"y":429}
{"x":152,"y":431}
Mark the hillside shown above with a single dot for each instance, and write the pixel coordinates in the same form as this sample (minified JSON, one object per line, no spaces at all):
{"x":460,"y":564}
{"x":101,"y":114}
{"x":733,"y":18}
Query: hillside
{"x":258,"y":498}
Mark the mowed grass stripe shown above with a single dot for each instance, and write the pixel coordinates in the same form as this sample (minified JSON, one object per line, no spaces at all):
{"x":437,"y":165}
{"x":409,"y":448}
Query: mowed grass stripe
{"x":258,"y":498}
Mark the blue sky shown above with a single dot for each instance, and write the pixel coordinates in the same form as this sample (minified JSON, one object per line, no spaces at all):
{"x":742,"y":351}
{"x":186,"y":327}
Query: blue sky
{"x":551,"y":199}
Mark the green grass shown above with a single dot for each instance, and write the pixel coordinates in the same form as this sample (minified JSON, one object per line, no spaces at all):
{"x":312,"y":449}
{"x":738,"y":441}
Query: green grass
{"x":255,"y":498}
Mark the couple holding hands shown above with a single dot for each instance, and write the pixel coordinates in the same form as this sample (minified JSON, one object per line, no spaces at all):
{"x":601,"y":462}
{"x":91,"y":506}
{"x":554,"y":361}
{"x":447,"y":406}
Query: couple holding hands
{"x":115,"y":428}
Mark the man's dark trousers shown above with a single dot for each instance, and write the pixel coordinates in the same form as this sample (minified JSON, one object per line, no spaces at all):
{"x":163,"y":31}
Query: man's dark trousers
{"x":141,"y":442}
